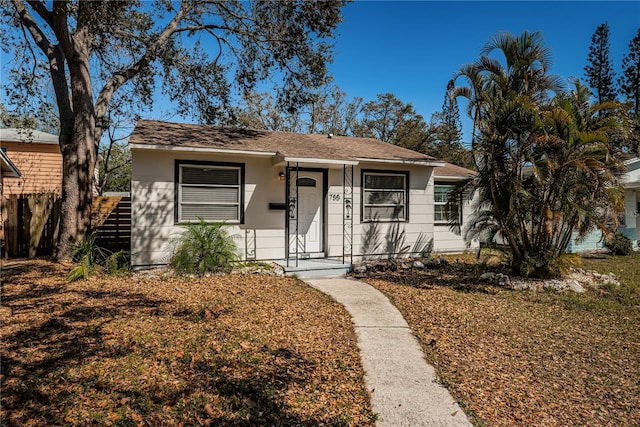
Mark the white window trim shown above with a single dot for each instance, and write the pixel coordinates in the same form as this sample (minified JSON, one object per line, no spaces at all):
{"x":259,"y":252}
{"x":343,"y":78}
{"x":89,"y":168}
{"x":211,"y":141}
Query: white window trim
{"x":180,"y":185}
{"x":405,"y":190}
{"x":444,"y":221}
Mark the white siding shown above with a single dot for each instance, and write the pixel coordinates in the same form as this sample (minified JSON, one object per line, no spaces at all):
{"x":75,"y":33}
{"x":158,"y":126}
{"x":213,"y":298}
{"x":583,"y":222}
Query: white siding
{"x":374,"y":239}
{"x":153,"y":198}
{"x":335,"y":205}
{"x":445,"y":240}
{"x":631,"y":182}
{"x":153,"y":211}
{"x":631,"y":216}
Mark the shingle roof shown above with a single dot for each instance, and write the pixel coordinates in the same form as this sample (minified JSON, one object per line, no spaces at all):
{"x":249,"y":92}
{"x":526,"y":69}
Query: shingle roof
{"x":287,"y":144}
{"x":27,"y":135}
{"x":452,"y":171}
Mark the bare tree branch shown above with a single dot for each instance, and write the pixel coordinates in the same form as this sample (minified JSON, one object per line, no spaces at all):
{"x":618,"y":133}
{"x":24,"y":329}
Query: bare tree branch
{"x":53,"y":53}
{"x":41,"y":10}
{"x":27,"y":21}
{"x":120,"y":78}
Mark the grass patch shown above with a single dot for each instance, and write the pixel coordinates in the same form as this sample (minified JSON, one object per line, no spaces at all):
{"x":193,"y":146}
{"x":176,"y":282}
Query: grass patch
{"x":516,"y":358}
{"x":225,"y":350}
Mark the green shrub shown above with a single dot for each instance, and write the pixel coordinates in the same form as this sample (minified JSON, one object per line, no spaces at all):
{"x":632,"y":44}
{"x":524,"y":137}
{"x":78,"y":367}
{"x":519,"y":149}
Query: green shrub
{"x":204,"y":248}
{"x":545,"y":265}
{"x":88,"y":257}
{"x":620,"y":244}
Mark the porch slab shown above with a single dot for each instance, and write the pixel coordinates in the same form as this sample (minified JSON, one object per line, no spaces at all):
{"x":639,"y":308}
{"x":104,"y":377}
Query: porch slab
{"x":315,"y":267}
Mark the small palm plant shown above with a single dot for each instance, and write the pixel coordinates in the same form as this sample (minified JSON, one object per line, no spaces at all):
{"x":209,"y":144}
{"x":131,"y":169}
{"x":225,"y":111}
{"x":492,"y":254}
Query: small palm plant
{"x":203,"y":248}
{"x":89,"y":257}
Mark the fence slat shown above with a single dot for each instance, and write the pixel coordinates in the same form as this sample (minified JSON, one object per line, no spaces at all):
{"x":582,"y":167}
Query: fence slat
{"x":11,"y":226}
{"x":115,"y":230}
{"x":31,"y":223}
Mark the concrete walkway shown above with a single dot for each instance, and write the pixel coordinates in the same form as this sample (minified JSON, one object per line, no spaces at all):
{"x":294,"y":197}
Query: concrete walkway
{"x":403,"y":386}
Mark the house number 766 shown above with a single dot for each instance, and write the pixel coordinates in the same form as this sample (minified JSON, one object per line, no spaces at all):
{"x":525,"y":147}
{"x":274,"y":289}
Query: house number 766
{"x":334,"y":197}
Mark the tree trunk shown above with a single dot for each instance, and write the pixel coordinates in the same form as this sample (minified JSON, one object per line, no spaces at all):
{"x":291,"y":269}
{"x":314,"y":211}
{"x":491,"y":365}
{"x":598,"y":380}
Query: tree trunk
{"x":79,"y":154}
{"x":77,"y":186}
{"x":79,"y":135}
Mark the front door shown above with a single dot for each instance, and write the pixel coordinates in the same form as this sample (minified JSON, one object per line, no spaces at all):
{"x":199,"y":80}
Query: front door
{"x":310,"y":193}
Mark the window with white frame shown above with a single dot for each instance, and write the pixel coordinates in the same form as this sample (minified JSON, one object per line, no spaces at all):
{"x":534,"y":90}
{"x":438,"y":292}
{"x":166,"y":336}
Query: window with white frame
{"x":441,"y":194}
{"x":385,"y":196}
{"x":212,"y":192}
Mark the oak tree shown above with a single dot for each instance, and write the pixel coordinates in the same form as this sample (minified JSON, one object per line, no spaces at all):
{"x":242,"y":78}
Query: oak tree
{"x":390,"y":120}
{"x":196,"y":52}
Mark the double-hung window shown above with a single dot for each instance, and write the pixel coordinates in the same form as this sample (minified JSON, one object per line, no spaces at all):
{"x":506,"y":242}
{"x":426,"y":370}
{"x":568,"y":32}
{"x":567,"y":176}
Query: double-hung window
{"x":212,"y":192}
{"x":440,"y":198}
{"x":385,"y":196}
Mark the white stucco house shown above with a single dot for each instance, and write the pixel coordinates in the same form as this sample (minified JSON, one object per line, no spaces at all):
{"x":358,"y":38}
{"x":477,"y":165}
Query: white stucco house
{"x":286,"y":196}
{"x":629,"y":219}
{"x":630,"y":226}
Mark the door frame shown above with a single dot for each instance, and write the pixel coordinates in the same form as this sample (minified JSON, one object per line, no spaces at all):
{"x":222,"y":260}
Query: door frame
{"x":324,"y":205}
{"x":637,"y":208}
{"x":316,"y":249}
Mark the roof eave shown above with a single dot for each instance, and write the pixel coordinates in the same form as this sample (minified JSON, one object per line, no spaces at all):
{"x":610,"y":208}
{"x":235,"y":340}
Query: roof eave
{"x":24,"y":135}
{"x":280,"y":159}
{"x":453,"y":177}
{"x":162,"y":147}
{"x":422,"y":162}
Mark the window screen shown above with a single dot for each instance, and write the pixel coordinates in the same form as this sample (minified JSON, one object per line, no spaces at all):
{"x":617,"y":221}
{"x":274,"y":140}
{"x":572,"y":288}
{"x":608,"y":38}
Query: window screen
{"x":212,"y":193}
{"x":384,"y":196}
{"x":440,"y":198}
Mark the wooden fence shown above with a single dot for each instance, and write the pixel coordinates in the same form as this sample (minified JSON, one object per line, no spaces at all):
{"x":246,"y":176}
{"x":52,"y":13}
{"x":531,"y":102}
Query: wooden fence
{"x":31,"y":223}
{"x":111,"y":221}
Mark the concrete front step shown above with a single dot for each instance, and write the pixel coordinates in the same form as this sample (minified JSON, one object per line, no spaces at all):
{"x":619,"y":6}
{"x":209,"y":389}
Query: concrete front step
{"x":318,"y":267}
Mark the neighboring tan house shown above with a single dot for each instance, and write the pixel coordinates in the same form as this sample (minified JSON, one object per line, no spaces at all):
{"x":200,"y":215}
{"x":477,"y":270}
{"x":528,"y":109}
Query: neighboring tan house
{"x":37,"y":155}
{"x":7,"y":170}
{"x":283,"y":195}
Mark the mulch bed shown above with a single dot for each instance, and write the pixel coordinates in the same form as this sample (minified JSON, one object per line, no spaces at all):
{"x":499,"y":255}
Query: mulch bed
{"x":224,"y":350}
{"x":524,"y":358}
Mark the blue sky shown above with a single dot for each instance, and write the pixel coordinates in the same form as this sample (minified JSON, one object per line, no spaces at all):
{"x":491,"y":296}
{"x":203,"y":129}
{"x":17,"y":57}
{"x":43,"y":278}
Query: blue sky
{"x":412,"y":48}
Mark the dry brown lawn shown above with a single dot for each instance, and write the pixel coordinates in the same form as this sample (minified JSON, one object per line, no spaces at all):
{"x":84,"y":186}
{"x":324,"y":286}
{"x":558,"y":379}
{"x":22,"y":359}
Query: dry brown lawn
{"x":523,"y":358}
{"x":227,"y":350}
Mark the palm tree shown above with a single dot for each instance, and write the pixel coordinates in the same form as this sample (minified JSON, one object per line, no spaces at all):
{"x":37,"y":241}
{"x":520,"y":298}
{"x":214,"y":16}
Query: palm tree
{"x":540,"y":167}
{"x":574,"y":172}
